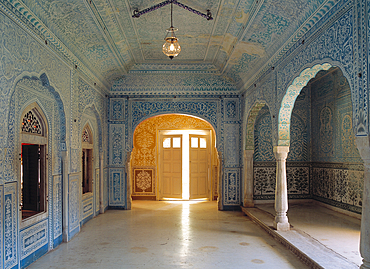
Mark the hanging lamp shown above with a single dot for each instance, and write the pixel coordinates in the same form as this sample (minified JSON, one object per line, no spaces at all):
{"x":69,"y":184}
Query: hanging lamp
{"x":171,"y":47}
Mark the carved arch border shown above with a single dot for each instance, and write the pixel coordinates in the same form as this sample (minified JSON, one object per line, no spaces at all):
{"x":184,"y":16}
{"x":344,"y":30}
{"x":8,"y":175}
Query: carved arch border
{"x":216,"y":128}
{"x":288,"y":101}
{"x":251,"y":120}
{"x":92,"y":107}
{"x":45,"y":82}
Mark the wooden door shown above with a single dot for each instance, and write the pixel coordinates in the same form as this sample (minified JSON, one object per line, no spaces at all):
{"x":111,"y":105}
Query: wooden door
{"x":171,"y":166}
{"x":199,"y":155}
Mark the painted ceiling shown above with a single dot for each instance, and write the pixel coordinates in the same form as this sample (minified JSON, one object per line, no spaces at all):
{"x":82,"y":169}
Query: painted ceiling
{"x":124,"y":54}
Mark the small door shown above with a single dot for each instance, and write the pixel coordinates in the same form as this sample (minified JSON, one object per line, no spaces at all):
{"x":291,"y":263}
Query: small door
{"x":171,"y":166}
{"x":199,"y":155}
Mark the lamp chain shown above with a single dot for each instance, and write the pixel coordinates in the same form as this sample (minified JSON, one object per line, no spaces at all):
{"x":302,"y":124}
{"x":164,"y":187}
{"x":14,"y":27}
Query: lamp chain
{"x":171,"y":15}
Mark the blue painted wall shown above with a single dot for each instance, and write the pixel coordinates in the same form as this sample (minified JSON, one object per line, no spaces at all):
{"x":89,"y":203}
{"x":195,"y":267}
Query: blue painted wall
{"x":323,"y":161}
{"x":30,"y":72}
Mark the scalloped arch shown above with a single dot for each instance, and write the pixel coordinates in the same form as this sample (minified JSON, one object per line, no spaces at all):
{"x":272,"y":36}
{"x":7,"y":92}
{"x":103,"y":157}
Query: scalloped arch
{"x":287,"y":104}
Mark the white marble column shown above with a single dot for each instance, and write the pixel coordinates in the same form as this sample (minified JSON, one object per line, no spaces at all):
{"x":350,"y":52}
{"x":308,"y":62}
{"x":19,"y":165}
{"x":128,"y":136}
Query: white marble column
{"x":281,"y":191}
{"x":363,"y":145}
{"x":248,"y":178}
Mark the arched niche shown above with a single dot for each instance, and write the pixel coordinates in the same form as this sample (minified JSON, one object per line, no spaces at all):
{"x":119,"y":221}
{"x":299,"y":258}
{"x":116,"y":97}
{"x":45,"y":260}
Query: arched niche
{"x":144,"y":156}
{"x":33,"y":162}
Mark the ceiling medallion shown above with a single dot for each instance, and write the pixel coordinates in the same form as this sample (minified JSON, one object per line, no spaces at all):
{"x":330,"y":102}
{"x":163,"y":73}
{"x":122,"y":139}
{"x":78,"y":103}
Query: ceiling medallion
{"x":171,"y":47}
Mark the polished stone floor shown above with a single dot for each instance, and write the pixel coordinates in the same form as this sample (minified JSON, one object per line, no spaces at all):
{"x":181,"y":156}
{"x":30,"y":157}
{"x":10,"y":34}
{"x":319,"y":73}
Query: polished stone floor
{"x":336,"y":231}
{"x":170,"y":235}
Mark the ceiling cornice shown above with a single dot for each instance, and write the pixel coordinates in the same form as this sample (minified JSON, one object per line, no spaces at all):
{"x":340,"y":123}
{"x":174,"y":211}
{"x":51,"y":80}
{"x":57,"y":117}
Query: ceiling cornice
{"x":24,"y":17}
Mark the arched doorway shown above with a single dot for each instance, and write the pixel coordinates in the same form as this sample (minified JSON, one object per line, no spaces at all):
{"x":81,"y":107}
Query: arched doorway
{"x":174,"y":157}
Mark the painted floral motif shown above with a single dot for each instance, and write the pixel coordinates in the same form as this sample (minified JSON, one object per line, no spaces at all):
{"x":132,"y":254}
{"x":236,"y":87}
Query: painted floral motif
{"x":263,"y":137}
{"x":326,"y":131}
{"x":8,"y":236}
{"x":347,"y":136}
{"x":143,"y":180}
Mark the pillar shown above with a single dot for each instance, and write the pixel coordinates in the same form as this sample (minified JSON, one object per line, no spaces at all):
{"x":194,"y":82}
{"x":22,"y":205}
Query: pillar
{"x":281,"y":191}
{"x":248,"y":178}
{"x":363,"y":145}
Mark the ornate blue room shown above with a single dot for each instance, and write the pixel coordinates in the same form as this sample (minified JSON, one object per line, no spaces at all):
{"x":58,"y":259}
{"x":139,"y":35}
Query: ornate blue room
{"x":88,"y":89}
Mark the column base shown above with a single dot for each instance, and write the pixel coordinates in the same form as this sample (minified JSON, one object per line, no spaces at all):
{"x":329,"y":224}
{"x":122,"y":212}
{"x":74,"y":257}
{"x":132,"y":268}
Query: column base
{"x":65,"y":235}
{"x":247,"y":203}
{"x":365,"y":265}
{"x":280,"y":226}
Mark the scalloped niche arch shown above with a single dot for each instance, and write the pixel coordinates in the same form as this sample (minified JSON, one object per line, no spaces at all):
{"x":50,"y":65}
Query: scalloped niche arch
{"x":289,"y":98}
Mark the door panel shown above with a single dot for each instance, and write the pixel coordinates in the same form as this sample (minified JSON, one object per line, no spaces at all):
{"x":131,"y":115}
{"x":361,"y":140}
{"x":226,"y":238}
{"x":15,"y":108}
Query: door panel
{"x":171,"y":166}
{"x":199,"y":155}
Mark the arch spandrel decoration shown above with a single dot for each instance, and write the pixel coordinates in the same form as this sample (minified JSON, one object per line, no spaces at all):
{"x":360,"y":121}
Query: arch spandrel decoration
{"x":249,"y":144}
{"x":288,"y":101}
{"x":144,"y":150}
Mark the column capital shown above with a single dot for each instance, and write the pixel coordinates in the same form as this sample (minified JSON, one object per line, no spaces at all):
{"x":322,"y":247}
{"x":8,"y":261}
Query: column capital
{"x":281,"y":152}
{"x":248,"y":153}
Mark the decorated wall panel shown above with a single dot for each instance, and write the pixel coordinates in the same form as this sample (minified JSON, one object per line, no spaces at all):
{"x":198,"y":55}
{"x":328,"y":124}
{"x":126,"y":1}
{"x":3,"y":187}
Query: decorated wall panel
{"x":106,"y":189}
{"x":57,"y":206}
{"x":338,"y":186}
{"x":87,"y":207}
{"x":10,"y":225}
{"x":144,"y":181}
{"x":231,"y":187}
{"x":298,"y":180}
{"x":117,"y":109}
{"x":232,"y":142}
{"x":74,"y":192}
{"x":116,"y":144}
{"x":33,"y":238}
{"x":263,"y":149}
{"x":337,"y":165}
{"x":117,"y":185}
{"x":231,"y":107}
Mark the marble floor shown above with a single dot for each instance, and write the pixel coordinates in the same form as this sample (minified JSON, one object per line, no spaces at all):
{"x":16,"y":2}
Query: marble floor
{"x":336,"y":231}
{"x":170,"y":235}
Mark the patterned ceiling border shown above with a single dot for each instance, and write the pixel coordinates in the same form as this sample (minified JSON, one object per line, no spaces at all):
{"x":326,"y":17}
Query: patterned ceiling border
{"x":165,"y":68}
{"x":173,"y":84}
{"x":23,"y":16}
{"x":328,"y":8}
